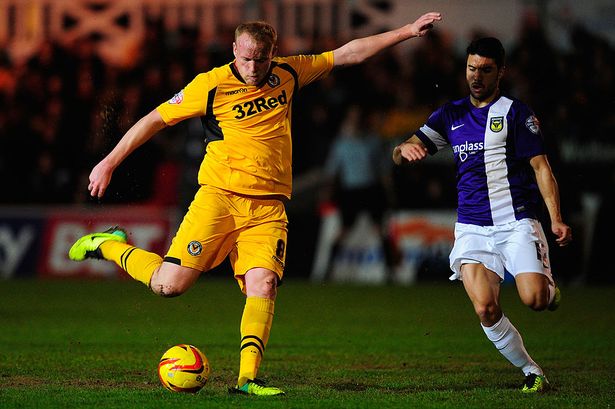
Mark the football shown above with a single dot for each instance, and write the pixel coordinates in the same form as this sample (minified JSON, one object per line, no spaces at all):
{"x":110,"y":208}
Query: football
{"x":183,"y":368}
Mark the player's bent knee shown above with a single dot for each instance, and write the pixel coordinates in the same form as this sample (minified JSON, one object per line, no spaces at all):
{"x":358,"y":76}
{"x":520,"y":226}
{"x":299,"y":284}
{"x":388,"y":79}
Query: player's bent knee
{"x":167,"y":290}
{"x":537,"y":302}
{"x":172,"y":280}
{"x":533,"y":290}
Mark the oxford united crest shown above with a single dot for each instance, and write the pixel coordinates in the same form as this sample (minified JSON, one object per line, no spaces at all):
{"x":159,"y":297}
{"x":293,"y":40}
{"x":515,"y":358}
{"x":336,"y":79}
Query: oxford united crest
{"x":496,"y":124}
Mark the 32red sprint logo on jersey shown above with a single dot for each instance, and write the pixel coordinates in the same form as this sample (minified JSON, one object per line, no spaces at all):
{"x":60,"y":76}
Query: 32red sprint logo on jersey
{"x":258,"y":105}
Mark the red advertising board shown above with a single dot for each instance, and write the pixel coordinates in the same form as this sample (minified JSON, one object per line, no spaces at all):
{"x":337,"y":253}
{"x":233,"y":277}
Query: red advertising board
{"x":147,"y":228}
{"x":53,"y":231}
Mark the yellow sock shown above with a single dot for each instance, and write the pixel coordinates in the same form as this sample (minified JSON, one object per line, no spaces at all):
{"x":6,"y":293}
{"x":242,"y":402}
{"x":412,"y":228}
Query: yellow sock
{"x":138,"y":263}
{"x":255,"y":327}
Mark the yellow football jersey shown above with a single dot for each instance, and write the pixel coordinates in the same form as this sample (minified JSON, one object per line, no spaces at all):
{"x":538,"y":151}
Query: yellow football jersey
{"x":247,"y":128}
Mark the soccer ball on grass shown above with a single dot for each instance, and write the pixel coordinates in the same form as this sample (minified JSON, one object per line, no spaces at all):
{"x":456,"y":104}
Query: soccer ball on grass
{"x":183,"y":368}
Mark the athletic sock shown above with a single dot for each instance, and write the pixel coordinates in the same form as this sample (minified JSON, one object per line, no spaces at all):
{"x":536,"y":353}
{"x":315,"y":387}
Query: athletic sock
{"x":138,"y":263}
{"x":508,"y":341}
{"x":255,"y":327}
{"x":551,"y":292}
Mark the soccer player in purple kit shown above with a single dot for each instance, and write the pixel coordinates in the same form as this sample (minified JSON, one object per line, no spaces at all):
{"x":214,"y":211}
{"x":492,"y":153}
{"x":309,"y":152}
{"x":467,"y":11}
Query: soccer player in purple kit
{"x":502,"y":173}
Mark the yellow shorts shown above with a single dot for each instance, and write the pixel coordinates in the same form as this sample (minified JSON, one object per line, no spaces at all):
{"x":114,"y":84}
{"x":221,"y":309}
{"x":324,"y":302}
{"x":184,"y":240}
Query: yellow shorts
{"x":251,"y":231}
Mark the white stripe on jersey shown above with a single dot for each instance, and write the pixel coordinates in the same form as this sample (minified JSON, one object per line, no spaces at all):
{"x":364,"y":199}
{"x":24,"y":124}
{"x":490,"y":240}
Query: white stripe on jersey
{"x":500,"y":199}
{"x":435,"y":137}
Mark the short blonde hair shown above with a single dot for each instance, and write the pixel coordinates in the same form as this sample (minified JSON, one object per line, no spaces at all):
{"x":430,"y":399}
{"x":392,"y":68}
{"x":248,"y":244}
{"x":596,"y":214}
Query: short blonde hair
{"x":260,"y":31}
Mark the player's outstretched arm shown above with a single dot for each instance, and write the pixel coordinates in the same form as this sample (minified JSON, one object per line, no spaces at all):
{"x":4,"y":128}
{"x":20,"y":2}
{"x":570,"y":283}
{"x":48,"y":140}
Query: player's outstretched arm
{"x":550,"y":194}
{"x":358,"y":50}
{"x":137,"y":135}
{"x":411,"y":150}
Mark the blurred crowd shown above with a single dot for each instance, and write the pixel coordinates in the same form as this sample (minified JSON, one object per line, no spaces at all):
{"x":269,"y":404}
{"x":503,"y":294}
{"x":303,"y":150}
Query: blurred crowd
{"x":65,"y":108}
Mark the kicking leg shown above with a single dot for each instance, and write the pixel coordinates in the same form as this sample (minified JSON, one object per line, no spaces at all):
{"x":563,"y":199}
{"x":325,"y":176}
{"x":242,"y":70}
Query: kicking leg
{"x":166,"y":279}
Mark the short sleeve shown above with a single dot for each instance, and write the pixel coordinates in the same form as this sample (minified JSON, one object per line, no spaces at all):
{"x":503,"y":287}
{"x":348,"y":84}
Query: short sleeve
{"x":433,"y":133}
{"x":188,"y":103}
{"x":529,"y":141}
{"x":310,"y":68}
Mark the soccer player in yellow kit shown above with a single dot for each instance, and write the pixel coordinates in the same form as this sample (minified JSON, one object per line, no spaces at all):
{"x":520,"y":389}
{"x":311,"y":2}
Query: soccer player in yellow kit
{"x":245,"y":177}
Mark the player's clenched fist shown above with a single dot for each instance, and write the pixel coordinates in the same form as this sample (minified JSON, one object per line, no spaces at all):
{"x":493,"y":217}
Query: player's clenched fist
{"x":409,"y":151}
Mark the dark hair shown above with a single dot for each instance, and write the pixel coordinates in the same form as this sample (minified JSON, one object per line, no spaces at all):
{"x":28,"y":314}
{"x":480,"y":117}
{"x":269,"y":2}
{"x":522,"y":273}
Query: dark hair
{"x":260,"y":31}
{"x":489,"y":47}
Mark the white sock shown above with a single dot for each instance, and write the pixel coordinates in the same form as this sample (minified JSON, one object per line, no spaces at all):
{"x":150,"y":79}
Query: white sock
{"x":551,"y":292}
{"x":508,"y":341}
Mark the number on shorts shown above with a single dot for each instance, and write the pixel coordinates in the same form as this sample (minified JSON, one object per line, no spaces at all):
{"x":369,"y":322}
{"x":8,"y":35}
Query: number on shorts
{"x":279,"y":251}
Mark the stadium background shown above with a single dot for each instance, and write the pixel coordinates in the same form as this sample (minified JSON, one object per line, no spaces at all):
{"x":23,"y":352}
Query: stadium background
{"x":74,"y":75}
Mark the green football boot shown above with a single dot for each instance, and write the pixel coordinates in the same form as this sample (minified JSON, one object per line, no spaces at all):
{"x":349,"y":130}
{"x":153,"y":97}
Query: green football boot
{"x":88,"y":245}
{"x":257,"y":387}
{"x":535,"y":383}
{"x":556,"y":300}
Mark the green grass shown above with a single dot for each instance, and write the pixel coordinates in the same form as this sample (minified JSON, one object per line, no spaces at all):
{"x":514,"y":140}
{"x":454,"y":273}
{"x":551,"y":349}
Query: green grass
{"x":81,"y":344}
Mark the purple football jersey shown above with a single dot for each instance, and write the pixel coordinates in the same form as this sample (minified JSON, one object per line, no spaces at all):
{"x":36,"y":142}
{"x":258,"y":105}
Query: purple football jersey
{"x":492,"y":147}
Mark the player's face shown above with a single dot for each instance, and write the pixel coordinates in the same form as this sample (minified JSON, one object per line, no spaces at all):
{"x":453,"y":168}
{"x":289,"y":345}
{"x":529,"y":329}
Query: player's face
{"x":252,"y":59}
{"x":483,"y":77}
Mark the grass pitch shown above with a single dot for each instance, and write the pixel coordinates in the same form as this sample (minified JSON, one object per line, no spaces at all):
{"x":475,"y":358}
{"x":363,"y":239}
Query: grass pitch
{"x":81,"y":344}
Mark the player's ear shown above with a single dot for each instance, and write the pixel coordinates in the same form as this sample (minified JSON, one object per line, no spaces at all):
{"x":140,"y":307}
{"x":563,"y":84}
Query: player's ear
{"x":501,"y":72}
{"x":234,"y":49}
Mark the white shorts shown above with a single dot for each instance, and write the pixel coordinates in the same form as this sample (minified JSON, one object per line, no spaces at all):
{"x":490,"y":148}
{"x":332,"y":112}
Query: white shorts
{"x":516,"y":247}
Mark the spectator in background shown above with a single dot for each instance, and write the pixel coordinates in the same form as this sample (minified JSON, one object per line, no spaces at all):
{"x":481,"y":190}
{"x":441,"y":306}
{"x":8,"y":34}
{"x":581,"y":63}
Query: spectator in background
{"x":358,"y":180}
